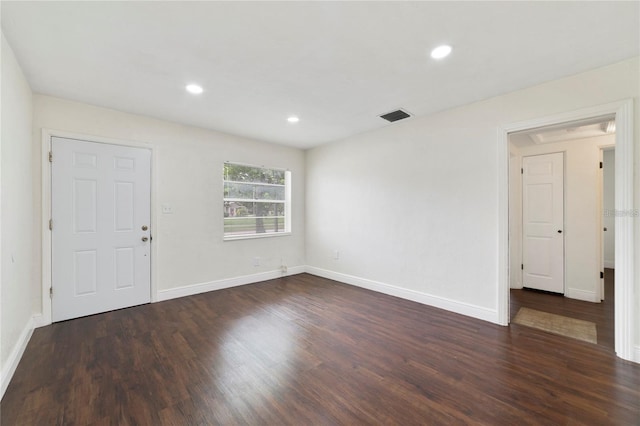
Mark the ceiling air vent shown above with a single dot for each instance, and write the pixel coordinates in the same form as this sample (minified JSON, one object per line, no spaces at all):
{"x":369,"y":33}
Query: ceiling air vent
{"x":395,"y":116}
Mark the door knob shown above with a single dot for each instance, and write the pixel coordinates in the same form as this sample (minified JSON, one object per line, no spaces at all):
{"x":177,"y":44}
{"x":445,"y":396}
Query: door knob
{"x":145,"y":238}
{"x":144,"y":227}
{"x":559,"y":231}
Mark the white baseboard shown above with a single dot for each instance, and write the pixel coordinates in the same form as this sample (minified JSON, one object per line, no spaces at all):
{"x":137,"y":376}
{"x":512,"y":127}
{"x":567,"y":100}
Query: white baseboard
{"x":192,"y":289}
{"x":416,"y":296}
{"x":9,"y":368}
{"x":636,"y":354}
{"x":587,"y":296}
{"x":38,"y":321}
{"x":610,"y":264}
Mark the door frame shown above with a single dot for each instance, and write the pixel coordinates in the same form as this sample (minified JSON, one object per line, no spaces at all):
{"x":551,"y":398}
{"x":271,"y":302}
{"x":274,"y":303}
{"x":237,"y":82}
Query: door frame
{"x":47,"y":134}
{"x":624,"y":201}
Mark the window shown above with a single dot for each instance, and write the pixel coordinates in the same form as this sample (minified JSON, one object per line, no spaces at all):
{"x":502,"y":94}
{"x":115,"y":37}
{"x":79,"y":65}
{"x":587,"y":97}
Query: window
{"x":256,"y":201}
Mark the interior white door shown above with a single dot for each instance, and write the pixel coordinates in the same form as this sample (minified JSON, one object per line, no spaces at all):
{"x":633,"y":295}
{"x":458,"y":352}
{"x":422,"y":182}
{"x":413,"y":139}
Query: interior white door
{"x":101,"y":205}
{"x":543,"y":222}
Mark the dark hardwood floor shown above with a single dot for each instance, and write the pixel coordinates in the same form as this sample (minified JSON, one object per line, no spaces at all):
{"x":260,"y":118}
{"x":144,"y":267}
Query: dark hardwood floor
{"x":303,"y":350}
{"x":602,"y":314}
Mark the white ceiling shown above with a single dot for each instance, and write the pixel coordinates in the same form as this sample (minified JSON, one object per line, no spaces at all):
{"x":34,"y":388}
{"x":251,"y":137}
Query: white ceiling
{"x":337,"y":65}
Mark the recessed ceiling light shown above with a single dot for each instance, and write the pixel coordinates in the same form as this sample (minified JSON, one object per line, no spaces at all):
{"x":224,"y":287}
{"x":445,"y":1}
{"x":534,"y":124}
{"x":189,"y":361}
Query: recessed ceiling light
{"x":194,"y":88}
{"x":441,"y":51}
{"x":293,"y":119}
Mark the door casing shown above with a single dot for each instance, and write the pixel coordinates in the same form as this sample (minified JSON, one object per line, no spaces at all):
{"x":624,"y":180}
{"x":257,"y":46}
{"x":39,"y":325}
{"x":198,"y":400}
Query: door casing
{"x":625,"y":234}
{"x":47,"y":134}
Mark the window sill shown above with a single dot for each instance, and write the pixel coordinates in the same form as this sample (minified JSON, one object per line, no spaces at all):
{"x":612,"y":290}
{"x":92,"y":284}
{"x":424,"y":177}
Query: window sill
{"x":254,"y":236}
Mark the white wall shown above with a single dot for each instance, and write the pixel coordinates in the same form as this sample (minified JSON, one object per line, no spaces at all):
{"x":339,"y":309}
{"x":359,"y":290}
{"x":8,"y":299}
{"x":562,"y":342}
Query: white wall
{"x":188,"y":245}
{"x":581,"y":214}
{"x":17,"y":276}
{"x":413,"y":207}
{"x":608,"y":205}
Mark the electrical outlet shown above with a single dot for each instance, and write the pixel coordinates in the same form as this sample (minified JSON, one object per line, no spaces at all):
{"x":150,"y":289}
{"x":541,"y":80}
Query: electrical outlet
{"x":336,"y":254}
{"x":283,"y":268}
{"x":256,"y":261}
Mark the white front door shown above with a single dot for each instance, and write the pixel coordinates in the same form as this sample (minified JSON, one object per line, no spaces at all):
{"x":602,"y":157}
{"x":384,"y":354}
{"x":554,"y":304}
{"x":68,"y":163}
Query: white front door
{"x":543,"y":222}
{"x":101,"y":204}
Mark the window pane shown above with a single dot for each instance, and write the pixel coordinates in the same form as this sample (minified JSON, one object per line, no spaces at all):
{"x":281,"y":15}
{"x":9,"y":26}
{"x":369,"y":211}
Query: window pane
{"x":255,"y":200}
{"x":250,"y":208}
{"x":269,"y":192}
{"x":240,"y":173}
{"x":253,"y":191}
{"x":253,"y":225}
{"x":238,"y":190}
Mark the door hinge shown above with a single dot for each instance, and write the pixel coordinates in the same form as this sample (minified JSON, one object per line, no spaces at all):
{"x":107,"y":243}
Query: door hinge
{"x":601,"y":164}
{"x":522,"y":266}
{"x":50,"y":157}
{"x":50,"y":291}
{"x":51,"y":224}
{"x":522,"y":170}
{"x":601,"y":275}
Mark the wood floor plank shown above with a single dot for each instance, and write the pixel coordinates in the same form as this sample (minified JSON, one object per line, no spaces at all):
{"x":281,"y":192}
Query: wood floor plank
{"x":601,"y":314}
{"x":306,"y":350}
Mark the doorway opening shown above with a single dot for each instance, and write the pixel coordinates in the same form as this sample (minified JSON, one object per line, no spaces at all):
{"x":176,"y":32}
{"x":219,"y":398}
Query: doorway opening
{"x":622,"y":113}
{"x":556,"y":229}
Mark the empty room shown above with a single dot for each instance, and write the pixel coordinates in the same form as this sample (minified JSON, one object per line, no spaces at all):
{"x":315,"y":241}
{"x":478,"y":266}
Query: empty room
{"x":319,"y":213}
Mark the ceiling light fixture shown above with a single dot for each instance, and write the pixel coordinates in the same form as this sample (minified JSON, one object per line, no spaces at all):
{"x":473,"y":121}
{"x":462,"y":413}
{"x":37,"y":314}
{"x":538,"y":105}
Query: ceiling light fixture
{"x":194,"y":89}
{"x":293,"y":119}
{"x":441,"y":51}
